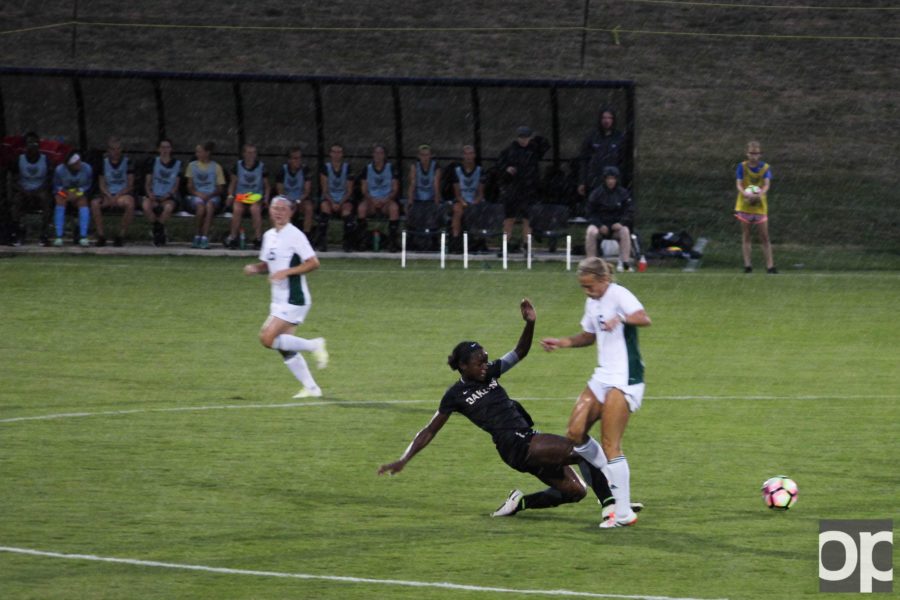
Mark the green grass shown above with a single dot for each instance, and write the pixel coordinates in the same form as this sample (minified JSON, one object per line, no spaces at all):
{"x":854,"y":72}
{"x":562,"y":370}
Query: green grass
{"x":748,"y":377}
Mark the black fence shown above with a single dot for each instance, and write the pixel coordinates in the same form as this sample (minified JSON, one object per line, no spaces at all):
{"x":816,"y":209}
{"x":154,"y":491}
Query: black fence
{"x":275,"y":112}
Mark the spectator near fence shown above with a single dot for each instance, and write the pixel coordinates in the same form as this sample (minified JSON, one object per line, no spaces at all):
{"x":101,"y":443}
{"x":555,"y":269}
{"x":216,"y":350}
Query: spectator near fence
{"x":72,"y":182}
{"x":115,"y":187}
{"x":161,"y":186}
{"x":293,"y":182}
{"x":520,"y":177}
{"x":336,"y":184}
{"x":248,"y":189}
{"x":610,"y":214}
{"x":603,"y":147}
{"x":380,"y":186}
{"x":468,"y":190}
{"x":205,"y":183}
{"x":30,"y":188}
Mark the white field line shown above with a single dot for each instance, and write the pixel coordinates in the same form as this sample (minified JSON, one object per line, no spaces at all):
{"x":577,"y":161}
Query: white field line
{"x":102,"y":413}
{"x":335,"y":578}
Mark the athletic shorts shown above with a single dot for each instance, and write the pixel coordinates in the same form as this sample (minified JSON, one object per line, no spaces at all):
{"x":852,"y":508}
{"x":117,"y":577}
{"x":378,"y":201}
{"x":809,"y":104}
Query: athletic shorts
{"x":512,"y":446}
{"x":517,"y":201}
{"x":194,"y":202}
{"x":634,"y":393}
{"x":289,"y":312}
{"x":751,"y":218}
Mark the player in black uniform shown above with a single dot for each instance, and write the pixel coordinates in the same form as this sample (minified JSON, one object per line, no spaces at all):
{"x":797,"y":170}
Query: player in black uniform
{"x":480,"y":397}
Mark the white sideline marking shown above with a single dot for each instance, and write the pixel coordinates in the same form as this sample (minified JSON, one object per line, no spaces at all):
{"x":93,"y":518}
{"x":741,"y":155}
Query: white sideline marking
{"x":133,"y":411}
{"x":339,"y":578}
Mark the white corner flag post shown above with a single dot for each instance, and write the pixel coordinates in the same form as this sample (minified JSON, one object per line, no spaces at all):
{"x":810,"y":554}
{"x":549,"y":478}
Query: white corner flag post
{"x":529,"y":251}
{"x":504,"y":251}
{"x":403,"y":250}
{"x":443,"y":249}
{"x":568,"y":252}
{"x":465,"y":250}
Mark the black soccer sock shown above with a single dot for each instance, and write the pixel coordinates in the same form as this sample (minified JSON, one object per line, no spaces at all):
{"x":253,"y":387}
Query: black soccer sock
{"x":393,"y":231}
{"x":322,"y":227}
{"x":545,"y":499}
{"x":595,"y":478}
{"x":349,"y":229}
{"x":362,"y":230}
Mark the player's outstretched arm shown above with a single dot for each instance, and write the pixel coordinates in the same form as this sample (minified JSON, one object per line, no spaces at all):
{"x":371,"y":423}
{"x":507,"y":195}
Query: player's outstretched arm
{"x":256,"y":268}
{"x":525,"y":340}
{"x":422,"y":439}
{"x":578,"y":340}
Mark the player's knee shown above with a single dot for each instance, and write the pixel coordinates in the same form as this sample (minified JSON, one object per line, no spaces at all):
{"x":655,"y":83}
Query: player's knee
{"x":576,"y":434}
{"x":266,"y":339}
{"x":574,"y":492}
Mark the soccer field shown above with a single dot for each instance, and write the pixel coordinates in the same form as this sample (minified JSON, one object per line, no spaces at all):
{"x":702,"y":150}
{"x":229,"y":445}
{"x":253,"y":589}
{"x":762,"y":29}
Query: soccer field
{"x":150,"y":447}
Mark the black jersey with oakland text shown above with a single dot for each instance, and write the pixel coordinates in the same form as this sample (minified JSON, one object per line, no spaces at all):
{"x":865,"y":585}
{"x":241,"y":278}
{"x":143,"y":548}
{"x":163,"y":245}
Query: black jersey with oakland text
{"x":486,"y":403}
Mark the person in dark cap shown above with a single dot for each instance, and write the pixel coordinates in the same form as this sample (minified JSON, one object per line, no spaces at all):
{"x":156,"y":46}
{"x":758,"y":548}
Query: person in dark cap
{"x":519,"y":167}
{"x":479,"y":396}
{"x":603,"y":147}
{"x":610,"y":214}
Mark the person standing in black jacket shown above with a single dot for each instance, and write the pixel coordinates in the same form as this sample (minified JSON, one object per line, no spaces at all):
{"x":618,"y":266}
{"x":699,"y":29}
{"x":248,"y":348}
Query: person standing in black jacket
{"x":519,"y":167}
{"x":603,"y":147}
{"x":610,"y":214}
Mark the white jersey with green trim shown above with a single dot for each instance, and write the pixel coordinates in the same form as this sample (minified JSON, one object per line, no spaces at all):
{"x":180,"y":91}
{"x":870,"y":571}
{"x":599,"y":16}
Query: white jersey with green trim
{"x":284,"y":249}
{"x":618,"y":355}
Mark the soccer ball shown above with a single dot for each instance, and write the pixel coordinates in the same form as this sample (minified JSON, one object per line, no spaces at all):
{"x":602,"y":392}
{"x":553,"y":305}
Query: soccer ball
{"x":751,"y":189}
{"x":780,"y":492}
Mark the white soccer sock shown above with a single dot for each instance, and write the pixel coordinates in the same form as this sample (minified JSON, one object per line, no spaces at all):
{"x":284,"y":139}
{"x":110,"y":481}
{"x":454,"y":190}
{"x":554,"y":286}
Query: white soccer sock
{"x":298,"y":367}
{"x":292,"y":343}
{"x":593,"y":453}
{"x":620,"y":484}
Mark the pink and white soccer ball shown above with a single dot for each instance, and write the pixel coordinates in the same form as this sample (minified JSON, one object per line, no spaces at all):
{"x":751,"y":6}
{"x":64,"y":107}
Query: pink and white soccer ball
{"x":780,"y":492}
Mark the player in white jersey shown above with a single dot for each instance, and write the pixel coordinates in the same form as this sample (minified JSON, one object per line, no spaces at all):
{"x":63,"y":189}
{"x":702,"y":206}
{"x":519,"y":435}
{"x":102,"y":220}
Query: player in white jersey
{"x":287,"y":256}
{"x":612,"y":315}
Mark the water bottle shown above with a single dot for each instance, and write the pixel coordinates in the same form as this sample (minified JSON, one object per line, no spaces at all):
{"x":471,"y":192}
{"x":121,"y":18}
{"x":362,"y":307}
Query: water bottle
{"x":243,"y":240}
{"x":642,"y":264}
{"x":376,"y":240}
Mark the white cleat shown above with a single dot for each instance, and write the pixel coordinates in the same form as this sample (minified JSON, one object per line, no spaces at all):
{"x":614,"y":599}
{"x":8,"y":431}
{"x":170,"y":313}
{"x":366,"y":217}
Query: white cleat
{"x":612,"y":522}
{"x":308,"y":393}
{"x":321,"y":356}
{"x":608,"y":510}
{"x":511,"y":506}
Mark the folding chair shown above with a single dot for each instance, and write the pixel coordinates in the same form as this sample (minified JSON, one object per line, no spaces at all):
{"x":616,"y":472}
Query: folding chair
{"x":483,"y":221}
{"x":549,"y":221}
{"x":424,"y":223}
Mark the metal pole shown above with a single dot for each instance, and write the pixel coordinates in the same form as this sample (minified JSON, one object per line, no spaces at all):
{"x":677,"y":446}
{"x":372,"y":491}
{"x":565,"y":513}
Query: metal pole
{"x":465,"y":250}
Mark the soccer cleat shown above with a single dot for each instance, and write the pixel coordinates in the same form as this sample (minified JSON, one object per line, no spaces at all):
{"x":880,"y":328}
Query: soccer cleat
{"x":772,"y":271}
{"x":58,"y":242}
{"x":84,"y":243}
{"x":620,"y":267}
{"x":614,"y":522}
{"x":117,"y":241}
{"x":308,"y":393}
{"x":511,"y":506}
{"x":607,"y":511}
{"x":204,"y":242}
{"x":196,"y":242}
{"x":101,"y":241}
{"x":321,"y":356}
{"x":748,"y":269}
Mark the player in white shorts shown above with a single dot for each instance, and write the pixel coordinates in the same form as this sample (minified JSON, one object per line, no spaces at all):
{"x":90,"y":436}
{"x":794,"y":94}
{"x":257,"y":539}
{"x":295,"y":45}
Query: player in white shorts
{"x":287,"y":256}
{"x":612,"y":315}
